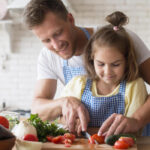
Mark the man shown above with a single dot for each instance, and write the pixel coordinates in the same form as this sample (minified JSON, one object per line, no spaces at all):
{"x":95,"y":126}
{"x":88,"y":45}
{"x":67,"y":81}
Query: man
{"x":62,"y":59}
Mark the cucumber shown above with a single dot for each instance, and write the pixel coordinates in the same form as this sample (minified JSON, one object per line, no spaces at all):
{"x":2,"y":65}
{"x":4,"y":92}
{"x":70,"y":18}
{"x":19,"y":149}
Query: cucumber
{"x":113,"y":138}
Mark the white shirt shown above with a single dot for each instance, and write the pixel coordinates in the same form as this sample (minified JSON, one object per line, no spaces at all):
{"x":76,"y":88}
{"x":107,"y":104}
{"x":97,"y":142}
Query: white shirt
{"x":50,"y":65}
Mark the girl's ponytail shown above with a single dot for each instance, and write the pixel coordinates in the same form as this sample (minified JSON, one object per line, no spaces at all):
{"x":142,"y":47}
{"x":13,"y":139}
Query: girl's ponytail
{"x":118,"y":19}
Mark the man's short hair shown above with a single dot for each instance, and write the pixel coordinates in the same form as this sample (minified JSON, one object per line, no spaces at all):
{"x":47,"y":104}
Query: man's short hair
{"x":35,"y":11}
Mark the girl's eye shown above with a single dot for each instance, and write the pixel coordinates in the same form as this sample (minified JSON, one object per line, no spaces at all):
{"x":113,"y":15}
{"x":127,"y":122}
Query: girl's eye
{"x":115,"y":65}
{"x":100,"y":64}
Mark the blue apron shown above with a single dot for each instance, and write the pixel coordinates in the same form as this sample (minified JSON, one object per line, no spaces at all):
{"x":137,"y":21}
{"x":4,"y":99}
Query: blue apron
{"x":70,"y":72}
{"x":146,"y":130}
{"x":100,"y":108}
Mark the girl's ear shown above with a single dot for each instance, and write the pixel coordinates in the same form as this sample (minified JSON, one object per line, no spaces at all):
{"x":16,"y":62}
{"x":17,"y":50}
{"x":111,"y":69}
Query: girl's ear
{"x":71,"y":18}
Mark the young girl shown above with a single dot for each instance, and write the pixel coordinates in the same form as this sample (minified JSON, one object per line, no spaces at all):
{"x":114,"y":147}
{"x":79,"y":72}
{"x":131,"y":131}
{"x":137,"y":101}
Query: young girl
{"x":112,"y":84}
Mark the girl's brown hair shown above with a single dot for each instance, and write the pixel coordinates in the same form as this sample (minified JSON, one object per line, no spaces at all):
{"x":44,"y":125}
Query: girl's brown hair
{"x":113,"y":35}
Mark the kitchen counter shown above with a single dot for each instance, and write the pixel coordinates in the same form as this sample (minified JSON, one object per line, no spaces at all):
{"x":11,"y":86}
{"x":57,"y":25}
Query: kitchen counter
{"x":143,"y":143}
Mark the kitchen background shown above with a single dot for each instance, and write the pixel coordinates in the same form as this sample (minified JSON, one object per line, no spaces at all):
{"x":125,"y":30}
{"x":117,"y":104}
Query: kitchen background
{"x":19,"y":48}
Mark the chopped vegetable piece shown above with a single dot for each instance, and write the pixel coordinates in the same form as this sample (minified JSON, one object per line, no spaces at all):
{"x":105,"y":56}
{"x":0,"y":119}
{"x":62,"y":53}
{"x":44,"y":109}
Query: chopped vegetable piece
{"x":128,"y":140}
{"x":30,"y":137}
{"x":91,"y":140}
{"x":121,"y":145}
{"x":4,"y":122}
{"x":113,"y":138}
{"x":58,"y":140}
{"x":49,"y":138}
{"x":99,"y":139}
{"x":69,"y":136}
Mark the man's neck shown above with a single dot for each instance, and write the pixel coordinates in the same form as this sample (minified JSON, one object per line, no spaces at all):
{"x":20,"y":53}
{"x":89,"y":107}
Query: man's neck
{"x":82,"y":40}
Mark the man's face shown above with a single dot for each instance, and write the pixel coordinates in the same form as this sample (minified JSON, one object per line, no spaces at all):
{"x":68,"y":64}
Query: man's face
{"x":57,"y":34}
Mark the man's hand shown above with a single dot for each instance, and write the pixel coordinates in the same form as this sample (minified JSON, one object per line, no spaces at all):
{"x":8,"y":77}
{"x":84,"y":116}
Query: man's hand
{"x":72,"y":109}
{"x":117,"y":124}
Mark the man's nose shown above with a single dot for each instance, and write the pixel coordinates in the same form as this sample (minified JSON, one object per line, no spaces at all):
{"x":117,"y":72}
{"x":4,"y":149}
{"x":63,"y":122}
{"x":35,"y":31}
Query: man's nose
{"x":56,"y":44}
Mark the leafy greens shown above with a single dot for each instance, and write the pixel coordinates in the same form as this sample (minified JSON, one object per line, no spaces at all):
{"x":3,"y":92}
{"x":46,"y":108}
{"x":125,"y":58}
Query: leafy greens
{"x":45,"y":128}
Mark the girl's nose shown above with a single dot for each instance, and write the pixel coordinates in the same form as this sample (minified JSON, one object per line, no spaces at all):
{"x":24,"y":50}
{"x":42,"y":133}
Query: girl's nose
{"x":107,"y":69}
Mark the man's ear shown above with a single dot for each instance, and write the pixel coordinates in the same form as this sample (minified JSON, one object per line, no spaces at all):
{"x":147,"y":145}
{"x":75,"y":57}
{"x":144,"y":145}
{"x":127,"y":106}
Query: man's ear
{"x":71,"y":18}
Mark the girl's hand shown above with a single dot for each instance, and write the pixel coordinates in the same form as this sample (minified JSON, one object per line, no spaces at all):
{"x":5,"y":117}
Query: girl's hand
{"x":117,"y":124}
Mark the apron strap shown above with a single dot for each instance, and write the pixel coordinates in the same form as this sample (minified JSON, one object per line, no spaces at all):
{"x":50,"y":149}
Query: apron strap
{"x":86,"y":32}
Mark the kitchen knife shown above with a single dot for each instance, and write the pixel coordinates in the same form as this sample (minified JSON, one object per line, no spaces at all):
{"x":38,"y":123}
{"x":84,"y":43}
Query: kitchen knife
{"x":87,"y":136}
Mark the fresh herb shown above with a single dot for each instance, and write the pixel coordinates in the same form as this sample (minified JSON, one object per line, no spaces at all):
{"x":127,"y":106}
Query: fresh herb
{"x":44,"y":128}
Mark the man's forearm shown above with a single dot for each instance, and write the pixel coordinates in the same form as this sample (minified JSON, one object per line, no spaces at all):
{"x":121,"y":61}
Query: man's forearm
{"x":47,"y":109}
{"x":142,"y":114}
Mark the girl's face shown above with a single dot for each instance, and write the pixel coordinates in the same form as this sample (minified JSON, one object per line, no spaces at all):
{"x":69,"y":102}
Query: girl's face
{"x":109,"y":64}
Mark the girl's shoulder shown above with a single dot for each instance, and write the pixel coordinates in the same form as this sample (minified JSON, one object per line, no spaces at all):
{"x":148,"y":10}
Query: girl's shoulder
{"x":79,"y":79}
{"x":138,"y":83}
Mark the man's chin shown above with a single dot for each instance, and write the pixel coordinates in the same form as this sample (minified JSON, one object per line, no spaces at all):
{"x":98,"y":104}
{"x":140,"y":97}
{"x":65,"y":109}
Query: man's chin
{"x":65,"y":56}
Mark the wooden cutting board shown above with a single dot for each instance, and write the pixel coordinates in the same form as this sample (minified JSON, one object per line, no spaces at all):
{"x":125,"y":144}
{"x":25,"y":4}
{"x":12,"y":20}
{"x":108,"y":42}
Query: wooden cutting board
{"x":80,"y":144}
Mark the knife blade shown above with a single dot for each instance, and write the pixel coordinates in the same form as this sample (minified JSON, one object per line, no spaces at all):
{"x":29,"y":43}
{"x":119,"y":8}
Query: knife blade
{"x":87,"y":136}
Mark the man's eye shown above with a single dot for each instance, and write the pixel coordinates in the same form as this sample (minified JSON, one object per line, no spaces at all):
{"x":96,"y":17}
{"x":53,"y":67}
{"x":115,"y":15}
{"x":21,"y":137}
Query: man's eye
{"x":57,"y":33}
{"x":47,"y":41}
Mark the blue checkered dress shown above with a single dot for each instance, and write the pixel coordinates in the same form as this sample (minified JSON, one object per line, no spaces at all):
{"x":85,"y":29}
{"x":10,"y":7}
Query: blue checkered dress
{"x":100,"y":108}
{"x":70,"y":72}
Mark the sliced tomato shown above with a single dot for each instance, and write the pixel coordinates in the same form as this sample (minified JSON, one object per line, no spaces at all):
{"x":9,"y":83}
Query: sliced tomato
{"x":4,"y":122}
{"x":49,"y":138}
{"x":58,"y":140}
{"x":91,"y":140}
{"x":121,"y":145}
{"x":69,"y":136}
{"x":99,"y":139}
{"x":128,"y":140}
{"x":68,"y":141}
{"x":67,"y":145}
{"x":30,"y":137}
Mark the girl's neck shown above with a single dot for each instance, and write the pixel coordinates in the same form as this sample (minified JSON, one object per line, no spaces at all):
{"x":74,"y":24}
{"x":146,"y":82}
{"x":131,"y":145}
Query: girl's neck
{"x":104,"y":88}
{"x":82,"y":40}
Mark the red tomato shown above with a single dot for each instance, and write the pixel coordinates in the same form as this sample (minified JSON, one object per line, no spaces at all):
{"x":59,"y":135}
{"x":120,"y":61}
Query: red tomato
{"x":69,"y":136}
{"x":58,"y":140}
{"x":30,"y":137}
{"x":4,"y":122}
{"x":49,"y":138}
{"x":99,"y":139}
{"x":121,"y":145}
{"x":91,"y":140}
{"x":128,"y":140}
{"x":67,"y":145}
{"x":68,"y":142}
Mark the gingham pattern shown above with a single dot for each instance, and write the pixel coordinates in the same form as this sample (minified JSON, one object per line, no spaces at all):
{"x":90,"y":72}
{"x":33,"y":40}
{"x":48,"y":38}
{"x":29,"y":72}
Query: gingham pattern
{"x":70,"y":72}
{"x":100,"y":108}
{"x":146,"y":130}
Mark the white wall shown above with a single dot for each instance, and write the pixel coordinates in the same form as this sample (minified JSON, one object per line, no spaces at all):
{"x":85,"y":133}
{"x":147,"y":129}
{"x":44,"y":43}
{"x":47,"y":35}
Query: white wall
{"x":18,"y":78}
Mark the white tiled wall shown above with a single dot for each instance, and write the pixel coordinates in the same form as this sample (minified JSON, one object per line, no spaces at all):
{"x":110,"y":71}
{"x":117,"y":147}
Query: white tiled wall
{"x":18,"y":78}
